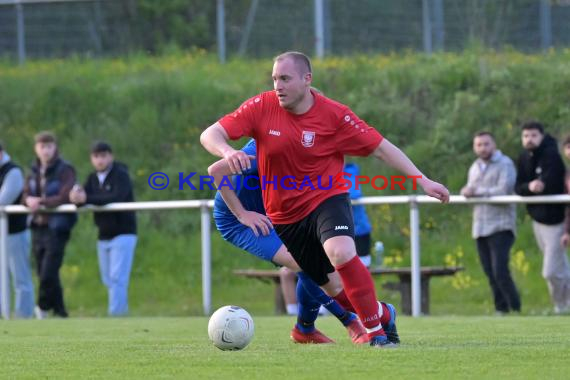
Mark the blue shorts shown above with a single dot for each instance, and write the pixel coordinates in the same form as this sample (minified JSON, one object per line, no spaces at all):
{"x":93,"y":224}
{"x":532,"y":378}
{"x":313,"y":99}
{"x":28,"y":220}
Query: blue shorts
{"x":264,"y":247}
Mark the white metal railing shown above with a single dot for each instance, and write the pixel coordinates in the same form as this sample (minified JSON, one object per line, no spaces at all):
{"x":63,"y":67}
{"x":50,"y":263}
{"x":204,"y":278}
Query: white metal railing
{"x":203,"y":204}
{"x":206,"y":205}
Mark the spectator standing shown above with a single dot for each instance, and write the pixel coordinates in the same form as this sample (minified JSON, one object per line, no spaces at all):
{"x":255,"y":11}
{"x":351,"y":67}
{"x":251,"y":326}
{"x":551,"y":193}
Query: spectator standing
{"x":48,"y":186}
{"x":109,"y":183}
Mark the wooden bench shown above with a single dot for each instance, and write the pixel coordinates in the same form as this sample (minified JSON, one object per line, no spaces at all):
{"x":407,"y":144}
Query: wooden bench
{"x":404,"y":286}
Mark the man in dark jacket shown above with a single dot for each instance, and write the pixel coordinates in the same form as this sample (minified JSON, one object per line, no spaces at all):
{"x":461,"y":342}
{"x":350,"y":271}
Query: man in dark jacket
{"x":541,"y":172}
{"x":49,"y":184}
{"x":117,"y":230}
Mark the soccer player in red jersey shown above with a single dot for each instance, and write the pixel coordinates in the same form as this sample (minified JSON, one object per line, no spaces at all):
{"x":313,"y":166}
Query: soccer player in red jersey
{"x":302,"y":137}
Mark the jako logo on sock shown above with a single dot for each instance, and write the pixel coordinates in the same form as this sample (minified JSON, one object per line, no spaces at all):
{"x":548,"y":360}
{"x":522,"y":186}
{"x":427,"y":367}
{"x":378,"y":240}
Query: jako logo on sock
{"x":372,"y":318}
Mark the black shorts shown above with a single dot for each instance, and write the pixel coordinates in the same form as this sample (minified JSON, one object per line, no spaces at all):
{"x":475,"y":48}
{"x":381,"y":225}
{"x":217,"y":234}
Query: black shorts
{"x":305,"y":238}
{"x":362,"y":244}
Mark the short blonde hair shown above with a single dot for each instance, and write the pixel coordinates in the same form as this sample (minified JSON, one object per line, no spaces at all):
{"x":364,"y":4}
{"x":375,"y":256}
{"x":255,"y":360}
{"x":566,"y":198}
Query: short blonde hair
{"x":302,"y":62}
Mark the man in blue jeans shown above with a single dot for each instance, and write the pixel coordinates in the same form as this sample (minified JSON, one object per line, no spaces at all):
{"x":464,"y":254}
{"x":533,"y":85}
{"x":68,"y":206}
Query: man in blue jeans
{"x":494,"y":226}
{"x":11,"y":188}
{"x":117,"y":230}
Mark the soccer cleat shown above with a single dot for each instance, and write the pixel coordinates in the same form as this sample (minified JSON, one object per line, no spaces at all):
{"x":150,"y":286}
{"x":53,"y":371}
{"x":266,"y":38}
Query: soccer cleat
{"x":390,"y":328}
{"x":357,"y":332}
{"x":381,"y":341}
{"x":314,"y":337}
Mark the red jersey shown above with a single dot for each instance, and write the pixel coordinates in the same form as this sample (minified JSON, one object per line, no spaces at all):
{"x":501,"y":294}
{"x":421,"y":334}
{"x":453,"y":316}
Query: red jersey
{"x":298,"y":156}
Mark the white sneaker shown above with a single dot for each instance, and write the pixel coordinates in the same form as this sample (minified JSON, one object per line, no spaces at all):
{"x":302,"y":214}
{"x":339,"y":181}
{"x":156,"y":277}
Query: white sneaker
{"x":39,"y":313}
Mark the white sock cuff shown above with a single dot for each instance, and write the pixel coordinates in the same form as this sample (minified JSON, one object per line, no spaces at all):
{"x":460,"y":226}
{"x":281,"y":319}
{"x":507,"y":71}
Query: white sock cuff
{"x":375,"y":328}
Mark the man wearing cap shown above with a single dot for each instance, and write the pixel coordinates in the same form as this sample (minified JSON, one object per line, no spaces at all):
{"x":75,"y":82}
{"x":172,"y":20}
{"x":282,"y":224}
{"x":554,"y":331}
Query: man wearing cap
{"x":117,"y":238}
{"x":48,"y":186}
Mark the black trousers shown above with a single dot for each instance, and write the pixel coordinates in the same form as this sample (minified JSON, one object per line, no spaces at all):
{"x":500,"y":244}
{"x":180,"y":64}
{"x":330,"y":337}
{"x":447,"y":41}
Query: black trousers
{"x":48,"y":247}
{"x":494,"y":256}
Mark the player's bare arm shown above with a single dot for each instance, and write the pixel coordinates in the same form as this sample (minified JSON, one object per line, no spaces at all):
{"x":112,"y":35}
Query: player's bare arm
{"x":395,"y":158}
{"x":254,"y":220}
{"x":215,"y":140}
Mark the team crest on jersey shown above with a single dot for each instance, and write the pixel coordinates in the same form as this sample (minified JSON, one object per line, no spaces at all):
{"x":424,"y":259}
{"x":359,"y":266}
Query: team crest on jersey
{"x":308,"y":139}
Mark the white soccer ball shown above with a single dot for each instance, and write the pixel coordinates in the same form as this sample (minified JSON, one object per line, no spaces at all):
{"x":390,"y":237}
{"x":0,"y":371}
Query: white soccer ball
{"x":230,"y":328}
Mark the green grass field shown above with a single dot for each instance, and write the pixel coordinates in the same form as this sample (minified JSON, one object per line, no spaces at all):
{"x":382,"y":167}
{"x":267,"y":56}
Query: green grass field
{"x":432,"y":347}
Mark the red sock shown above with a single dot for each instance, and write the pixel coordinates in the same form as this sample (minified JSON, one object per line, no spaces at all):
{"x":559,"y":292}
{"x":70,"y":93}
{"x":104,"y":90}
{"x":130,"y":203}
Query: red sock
{"x":360,"y":290}
{"x":343,"y":300}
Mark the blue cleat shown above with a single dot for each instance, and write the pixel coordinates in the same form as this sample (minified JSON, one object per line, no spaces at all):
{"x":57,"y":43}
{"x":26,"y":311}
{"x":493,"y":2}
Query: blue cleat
{"x":390,"y":329}
{"x":381,"y":341}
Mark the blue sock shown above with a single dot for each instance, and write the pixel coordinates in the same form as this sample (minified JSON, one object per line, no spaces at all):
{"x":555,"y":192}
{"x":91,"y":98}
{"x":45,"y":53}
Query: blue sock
{"x":322,"y":298}
{"x":308,"y":309}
